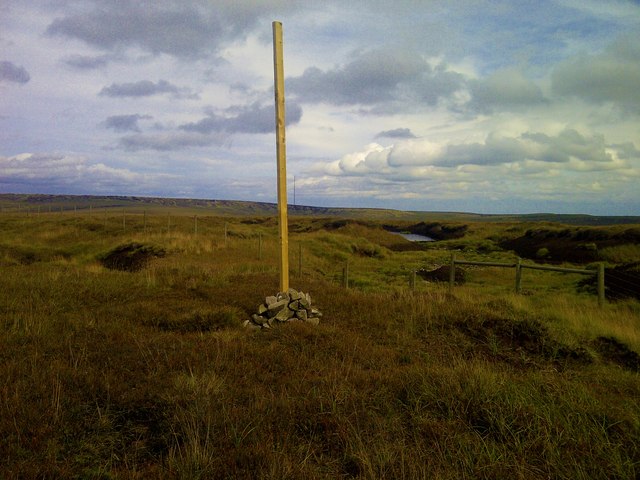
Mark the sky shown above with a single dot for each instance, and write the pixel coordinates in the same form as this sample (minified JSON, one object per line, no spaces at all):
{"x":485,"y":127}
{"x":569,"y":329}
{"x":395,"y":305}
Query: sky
{"x":477,"y":106}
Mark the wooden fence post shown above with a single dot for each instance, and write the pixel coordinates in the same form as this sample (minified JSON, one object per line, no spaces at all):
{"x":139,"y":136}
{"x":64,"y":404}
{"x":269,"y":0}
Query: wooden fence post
{"x":345,"y":275}
{"x":518,"y":275}
{"x":601,"y":297}
{"x":452,"y":271}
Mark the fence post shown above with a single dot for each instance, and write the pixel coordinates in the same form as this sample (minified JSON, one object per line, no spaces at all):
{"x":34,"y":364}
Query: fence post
{"x":601,"y":297}
{"x":518,"y":275}
{"x":412,"y":280}
{"x":452,"y":271}
{"x":345,"y":275}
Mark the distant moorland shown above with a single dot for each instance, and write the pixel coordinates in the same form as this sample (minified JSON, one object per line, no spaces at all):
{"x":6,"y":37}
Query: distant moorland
{"x":242,"y":208}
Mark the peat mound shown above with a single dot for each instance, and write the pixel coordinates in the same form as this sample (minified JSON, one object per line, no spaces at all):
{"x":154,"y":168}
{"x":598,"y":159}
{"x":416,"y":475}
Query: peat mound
{"x":617,"y":352}
{"x":576,"y":245}
{"x":441,"y":274}
{"x":130,"y":257}
{"x":620,"y":282}
{"x":514,"y":340}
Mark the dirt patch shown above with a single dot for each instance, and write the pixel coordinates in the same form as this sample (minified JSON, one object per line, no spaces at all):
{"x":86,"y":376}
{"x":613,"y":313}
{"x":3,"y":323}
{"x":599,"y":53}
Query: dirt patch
{"x":521,"y":342}
{"x":441,"y":274}
{"x":198,"y":321}
{"x":617,"y":352}
{"x":131,"y":257}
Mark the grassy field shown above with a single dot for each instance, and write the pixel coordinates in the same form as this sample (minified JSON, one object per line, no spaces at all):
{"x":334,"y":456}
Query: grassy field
{"x":150,"y":374}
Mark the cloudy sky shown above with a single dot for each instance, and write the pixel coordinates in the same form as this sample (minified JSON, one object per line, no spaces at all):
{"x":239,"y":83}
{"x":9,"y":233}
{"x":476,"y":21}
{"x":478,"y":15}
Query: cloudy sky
{"x":480,"y":106}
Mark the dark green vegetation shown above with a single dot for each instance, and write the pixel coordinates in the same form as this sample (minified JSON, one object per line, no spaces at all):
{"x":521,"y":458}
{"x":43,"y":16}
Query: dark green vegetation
{"x":144,"y":370}
{"x":32,"y":202}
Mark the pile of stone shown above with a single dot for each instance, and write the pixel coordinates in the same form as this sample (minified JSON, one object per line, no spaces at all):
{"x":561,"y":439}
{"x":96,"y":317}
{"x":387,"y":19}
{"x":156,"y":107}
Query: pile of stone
{"x":289,"y":306}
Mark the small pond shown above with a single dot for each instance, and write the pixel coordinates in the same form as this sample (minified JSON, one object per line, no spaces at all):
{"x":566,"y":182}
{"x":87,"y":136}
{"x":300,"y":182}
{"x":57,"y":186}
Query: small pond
{"x":414,"y":237}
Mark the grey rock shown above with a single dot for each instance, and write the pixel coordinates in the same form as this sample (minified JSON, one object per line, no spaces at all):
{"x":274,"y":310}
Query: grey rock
{"x":289,"y":306}
{"x":295,"y":306}
{"x":283,"y":296}
{"x":294,"y":294}
{"x":270,"y":300}
{"x":258,"y":319}
{"x":251,"y":325}
{"x":284,"y":315}
{"x":276,"y":307}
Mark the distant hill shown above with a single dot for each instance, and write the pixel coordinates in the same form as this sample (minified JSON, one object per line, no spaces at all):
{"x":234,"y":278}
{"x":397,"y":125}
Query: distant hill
{"x":239,"y":208}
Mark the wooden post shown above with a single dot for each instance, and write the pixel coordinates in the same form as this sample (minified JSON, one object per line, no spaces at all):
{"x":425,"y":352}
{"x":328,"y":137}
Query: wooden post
{"x":345,"y":275}
{"x":518,"y":275}
{"x":412,"y":280}
{"x":601,"y":297}
{"x":452,"y":271}
{"x":278,"y":78}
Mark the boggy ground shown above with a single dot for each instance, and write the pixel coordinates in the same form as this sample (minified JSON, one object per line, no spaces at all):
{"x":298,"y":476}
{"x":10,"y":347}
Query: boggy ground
{"x":149,"y":374}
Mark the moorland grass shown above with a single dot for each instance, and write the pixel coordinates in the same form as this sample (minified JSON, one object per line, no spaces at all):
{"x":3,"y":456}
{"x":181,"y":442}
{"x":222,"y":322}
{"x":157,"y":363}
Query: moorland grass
{"x":149,"y":374}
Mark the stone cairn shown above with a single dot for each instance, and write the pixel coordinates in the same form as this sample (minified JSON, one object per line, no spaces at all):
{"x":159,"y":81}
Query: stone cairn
{"x":289,"y":306}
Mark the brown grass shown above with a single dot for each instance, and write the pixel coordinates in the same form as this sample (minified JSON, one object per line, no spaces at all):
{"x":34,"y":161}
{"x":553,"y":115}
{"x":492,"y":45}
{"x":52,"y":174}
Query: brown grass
{"x":149,"y":374}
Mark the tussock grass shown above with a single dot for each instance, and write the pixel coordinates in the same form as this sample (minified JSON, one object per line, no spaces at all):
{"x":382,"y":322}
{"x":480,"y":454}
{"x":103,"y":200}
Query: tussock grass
{"x":149,"y":374}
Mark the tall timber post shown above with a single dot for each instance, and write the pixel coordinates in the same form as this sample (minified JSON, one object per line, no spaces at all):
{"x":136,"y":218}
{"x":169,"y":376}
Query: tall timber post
{"x":281,"y":152}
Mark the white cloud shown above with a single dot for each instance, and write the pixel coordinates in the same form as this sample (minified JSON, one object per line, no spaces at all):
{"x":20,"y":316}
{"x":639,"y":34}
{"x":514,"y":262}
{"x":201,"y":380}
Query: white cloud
{"x":611,"y":76}
{"x":55,"y":172}
{"x":513,"y":104}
